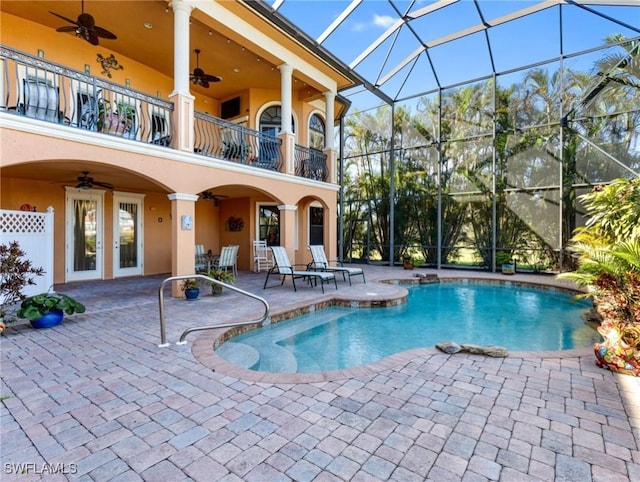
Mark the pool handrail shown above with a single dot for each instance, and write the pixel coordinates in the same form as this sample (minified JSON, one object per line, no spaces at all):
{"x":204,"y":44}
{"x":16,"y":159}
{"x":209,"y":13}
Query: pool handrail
{"x":163,"y":335}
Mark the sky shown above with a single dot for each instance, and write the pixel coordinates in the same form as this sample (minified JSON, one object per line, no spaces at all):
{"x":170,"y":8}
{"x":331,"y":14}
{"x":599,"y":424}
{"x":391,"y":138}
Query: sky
{"x":401,"y":66}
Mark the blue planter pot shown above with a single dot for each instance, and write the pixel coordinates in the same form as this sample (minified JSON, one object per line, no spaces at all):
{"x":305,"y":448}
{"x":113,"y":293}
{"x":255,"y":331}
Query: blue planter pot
{"x":48,"y":320}
{"x":192,"y":294}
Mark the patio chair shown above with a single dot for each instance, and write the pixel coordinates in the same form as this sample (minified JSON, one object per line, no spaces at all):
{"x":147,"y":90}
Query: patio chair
{"x":261,"y":256}
{"x":200,"y":259}
{"x":321,"y":263}
{"x":284,"y":268}
{"x":228,"y":259}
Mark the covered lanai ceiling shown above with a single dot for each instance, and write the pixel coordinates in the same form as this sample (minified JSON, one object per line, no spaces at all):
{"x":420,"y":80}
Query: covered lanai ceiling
{"x":404,"y":48}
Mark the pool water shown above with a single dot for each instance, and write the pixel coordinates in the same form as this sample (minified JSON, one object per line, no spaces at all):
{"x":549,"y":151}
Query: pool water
{"x":517,"y":318}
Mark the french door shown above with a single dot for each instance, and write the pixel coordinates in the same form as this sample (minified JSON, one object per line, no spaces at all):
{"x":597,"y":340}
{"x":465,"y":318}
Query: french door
{"x":128,"y":234}
{"x":84,"y":234}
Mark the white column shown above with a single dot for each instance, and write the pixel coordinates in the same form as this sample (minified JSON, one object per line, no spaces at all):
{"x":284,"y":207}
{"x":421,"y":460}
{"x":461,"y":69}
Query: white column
{"x":329,"y":99}
{"x":181,"y":15}
{"x":286,"y":74}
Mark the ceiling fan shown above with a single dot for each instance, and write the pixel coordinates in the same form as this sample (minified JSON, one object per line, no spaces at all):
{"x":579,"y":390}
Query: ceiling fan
{"x":85,"y":27}
{"x":199,"y":77}
{"x":87,"y":182}
{"x":209,"y":196}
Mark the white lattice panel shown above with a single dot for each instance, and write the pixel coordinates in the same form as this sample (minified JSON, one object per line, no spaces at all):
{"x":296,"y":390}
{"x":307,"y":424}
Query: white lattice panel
{"x":22,"y":222}
{"x":34,"y":233}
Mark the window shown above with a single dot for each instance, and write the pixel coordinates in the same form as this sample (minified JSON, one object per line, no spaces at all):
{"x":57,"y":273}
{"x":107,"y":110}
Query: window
{"x":316,"y":132}
{"x":269,"y":225}
{"x":271,"y":120}
{"x":316,"y":225}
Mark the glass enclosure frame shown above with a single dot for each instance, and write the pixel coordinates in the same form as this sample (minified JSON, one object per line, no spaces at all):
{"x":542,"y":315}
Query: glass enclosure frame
{"x":463,"y":175}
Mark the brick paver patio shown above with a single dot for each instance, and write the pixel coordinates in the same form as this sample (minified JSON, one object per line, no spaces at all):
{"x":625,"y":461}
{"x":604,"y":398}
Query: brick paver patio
{"x":96,"y":399}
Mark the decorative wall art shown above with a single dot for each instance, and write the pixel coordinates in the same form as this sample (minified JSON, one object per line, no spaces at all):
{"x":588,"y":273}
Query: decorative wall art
{"x":234,"y":224}
{"x":108,"y":63}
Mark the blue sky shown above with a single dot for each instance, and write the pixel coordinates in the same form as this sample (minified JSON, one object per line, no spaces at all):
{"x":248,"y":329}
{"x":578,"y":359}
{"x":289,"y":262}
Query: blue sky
{"x":528,"y":40}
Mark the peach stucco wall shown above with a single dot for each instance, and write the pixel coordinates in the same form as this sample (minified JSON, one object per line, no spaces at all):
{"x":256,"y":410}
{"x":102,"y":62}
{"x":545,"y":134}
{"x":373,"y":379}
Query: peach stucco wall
{"x":172,"y":173}
{"x":164,"y":171}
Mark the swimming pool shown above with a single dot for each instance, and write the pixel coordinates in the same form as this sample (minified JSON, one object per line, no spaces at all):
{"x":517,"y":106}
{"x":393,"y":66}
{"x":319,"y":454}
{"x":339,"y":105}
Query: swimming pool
{"x":518,"y":318}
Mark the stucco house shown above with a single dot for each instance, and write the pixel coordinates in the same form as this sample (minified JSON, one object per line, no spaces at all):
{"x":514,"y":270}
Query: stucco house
{"x":201,"y":122}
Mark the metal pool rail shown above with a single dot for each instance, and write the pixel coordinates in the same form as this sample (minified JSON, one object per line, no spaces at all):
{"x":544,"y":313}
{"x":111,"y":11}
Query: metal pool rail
{"x":163,"y":335}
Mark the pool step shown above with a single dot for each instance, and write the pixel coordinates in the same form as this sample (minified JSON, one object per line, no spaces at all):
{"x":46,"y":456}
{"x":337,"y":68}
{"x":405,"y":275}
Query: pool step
{"x":239,"y":354}
{"x":276,"y":359}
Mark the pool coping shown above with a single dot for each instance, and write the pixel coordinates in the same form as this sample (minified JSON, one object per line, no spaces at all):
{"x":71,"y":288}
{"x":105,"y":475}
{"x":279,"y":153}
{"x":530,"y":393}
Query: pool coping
{"x":203,"y":346}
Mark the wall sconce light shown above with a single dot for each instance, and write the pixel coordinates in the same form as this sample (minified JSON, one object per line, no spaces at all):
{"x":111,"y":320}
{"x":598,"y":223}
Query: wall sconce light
{"x":159,"y":95}
{"x":87,"y":69}
{"x":108,"y":63}
{"x":127,"y":82}
{"x":41,"y":53}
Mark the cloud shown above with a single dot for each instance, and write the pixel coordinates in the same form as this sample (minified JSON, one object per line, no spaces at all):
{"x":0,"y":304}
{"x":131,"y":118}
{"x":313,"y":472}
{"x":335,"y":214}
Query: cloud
{"x":383,"y":21}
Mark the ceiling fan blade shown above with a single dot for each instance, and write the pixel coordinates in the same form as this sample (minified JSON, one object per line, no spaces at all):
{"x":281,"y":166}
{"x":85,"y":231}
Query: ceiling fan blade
{"x":91,"y":37}
{"x":105,"y":185}
{"x":212,"y":78}
{"x":69,"y":28}
{"x":103,"y":33}
{"x":64,"y":18}
{"x":204,"y":83}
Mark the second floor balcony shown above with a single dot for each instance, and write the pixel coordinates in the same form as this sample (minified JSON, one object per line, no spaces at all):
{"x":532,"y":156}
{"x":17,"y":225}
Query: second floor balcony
{"x":38,"y":89}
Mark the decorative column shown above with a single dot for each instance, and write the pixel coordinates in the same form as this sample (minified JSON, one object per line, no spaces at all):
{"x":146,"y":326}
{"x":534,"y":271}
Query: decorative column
{"x":286,"y":74}
{"x":288,"y":229}
{"x":286,"y":130}
{"x":182,"y":99}
{"x":329,"y":99}
{"x":183,"y":238}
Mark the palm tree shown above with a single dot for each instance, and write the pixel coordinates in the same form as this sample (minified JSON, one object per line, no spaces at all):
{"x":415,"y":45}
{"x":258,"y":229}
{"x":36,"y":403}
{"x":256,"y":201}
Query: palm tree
{"x":608,"y":250}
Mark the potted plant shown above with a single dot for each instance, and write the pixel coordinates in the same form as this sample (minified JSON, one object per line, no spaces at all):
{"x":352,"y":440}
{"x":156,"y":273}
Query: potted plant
{"x":408,"y":261}
{"x":48,"y":309}
{"x":505,"y":262}
{"x":15,"y":274}
{"x":221,"y":275}
{"x":119,"y":121}
{"x":191,"y":288}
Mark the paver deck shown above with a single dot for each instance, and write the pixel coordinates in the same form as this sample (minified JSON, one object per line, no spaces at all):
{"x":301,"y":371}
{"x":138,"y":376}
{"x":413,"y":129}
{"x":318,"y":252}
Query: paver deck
{"x":96,"y":399}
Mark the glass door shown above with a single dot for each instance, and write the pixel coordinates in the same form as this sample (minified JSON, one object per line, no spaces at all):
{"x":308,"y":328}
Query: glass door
{"x":127,"y":240}
{"x":269,"y":224}
{"x":84,"y":231}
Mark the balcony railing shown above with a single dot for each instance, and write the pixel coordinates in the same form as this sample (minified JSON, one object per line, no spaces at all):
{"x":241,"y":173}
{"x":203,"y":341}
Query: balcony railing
{"x":218,"y":138}
{"x":310,"y":163}
{"x":35,"y":88}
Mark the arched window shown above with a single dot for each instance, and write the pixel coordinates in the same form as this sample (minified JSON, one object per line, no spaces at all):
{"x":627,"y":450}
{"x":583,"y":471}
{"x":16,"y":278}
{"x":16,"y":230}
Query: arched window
{"x":316,"y":132}
{"x":271,"y":120}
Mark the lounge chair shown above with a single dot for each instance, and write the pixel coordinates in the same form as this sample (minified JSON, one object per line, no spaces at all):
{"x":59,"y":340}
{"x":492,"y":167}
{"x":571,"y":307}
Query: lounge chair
{"x":284,"y":268}
{"x":321,"y":263}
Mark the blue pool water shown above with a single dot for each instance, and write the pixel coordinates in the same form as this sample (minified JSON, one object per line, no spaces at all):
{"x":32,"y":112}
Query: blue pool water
{"x":517,"y":318}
